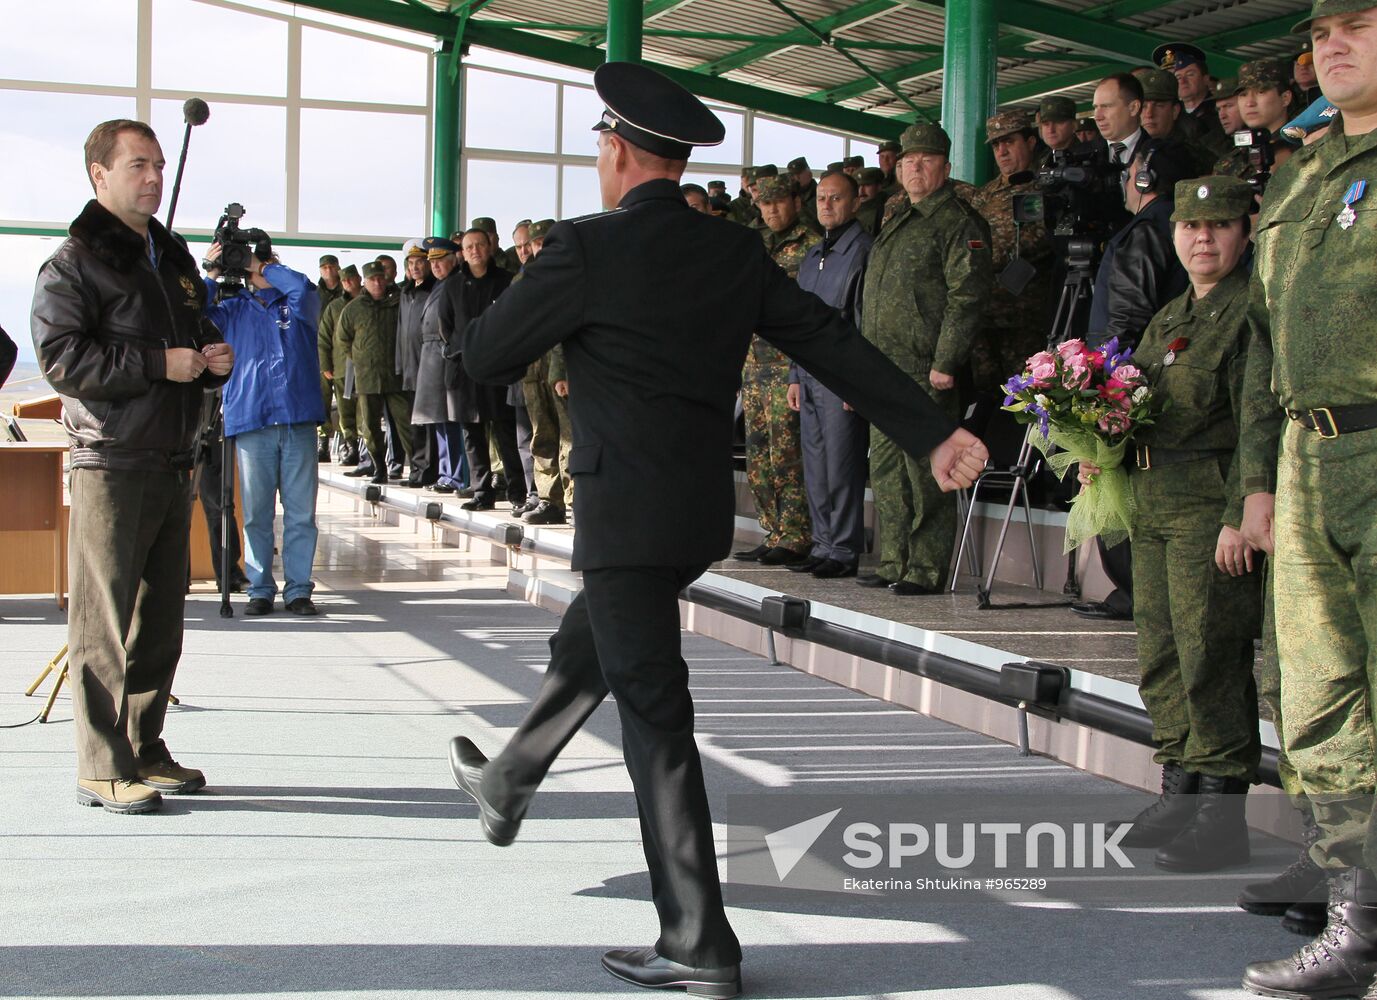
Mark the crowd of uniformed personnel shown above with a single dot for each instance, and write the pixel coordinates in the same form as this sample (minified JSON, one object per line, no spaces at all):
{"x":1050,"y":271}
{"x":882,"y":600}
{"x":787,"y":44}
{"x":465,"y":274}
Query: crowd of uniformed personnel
{"x":1236,"y":254}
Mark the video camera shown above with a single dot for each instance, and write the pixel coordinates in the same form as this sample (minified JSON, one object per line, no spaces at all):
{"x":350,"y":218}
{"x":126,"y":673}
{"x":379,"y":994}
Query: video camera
{"x":1261,"y":155}
{"x":1078,"y":194}
{"x":238,"y":247}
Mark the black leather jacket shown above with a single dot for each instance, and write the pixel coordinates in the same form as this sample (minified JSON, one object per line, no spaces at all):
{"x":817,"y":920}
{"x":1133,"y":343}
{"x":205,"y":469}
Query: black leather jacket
{"x":1140,"y":273}
{"x":102,"y":318}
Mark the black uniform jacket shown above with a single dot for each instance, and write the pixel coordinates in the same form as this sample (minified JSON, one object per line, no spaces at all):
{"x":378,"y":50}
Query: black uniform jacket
{"x":655,"y":305}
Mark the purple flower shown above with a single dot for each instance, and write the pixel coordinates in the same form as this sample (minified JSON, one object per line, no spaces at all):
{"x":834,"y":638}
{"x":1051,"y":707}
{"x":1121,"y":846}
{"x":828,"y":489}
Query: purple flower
{"x":1043,"y":418}
{"x":1015,"y":385}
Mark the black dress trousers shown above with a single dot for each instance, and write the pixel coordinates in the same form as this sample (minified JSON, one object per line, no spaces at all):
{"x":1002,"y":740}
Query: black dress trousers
{"x":621,"y":634}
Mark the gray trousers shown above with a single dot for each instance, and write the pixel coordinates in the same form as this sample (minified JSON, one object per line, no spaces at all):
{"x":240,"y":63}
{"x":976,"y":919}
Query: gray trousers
{"x":834,"y":443}
{"x":128,"y":555}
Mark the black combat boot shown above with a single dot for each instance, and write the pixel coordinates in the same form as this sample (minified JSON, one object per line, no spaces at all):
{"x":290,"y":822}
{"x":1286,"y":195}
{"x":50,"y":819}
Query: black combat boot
{"x":1166,"y":817}
{"x":1307,"y":917}
{"x":1341,"y":961}
{"x":349,"y":454}
{"x":1217,"y":835}
{"x":1303,"y":880}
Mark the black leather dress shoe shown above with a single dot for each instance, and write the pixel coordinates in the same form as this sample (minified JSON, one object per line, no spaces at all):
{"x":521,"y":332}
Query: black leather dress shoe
{"x":1100,"y":611}
{"x":830,"y":569}
{"x":356,"y":472}
{"x":466,"y":763}
{"x":907,"y":588}
{"x":644,"y":967}
{"x":806,"y":565}
{"x":258,"y":606}
{"x":544,"y":512}
{"x":751,"y":555}
{"x":379,"y":479}
{"x":477,"y":504}
{"x":780,"y":556}
{"x":873,"y":580}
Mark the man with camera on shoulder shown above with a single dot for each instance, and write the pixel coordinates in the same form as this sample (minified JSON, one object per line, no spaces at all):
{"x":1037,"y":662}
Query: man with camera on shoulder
{"x":272,"y":407}
{"x":120,"y":331}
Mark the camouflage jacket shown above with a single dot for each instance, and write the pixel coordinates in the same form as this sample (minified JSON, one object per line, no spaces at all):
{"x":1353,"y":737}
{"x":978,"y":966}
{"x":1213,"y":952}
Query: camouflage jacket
{"x":1031,"y":309}
{"x":743,"y":210}
{"x":328,"y":294}
{"x":331,"y":351}
{"x":1314,"y":294}
{"x":368,"y":330}
{"x":927,"y":284}
{"x":788,"y":250}
{"x":1204,"y":383}
{"x":899,"y":199}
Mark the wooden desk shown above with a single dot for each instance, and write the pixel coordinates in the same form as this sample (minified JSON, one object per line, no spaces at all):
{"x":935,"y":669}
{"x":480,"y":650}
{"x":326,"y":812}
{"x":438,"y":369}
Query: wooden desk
{"x":33,"y":556}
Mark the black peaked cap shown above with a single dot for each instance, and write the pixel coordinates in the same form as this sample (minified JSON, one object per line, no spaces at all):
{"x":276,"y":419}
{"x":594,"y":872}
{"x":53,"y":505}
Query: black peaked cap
{"x":651,"y":111}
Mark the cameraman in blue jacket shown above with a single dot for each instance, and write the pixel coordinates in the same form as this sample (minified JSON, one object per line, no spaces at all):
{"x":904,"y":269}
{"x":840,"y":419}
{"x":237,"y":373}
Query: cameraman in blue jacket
{"x":272,"y":409}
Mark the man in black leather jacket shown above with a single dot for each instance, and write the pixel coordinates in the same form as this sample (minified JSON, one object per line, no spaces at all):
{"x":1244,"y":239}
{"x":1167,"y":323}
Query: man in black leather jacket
{"x":119,"y":329}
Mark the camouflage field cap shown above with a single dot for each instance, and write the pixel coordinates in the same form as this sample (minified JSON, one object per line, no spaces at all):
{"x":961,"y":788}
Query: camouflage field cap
{"x":374,"y":269}
{"x":836,"y":167}
{"x":1057,"y":109}
{"x":774,"y":188}
{"x":1212,"y":199}
{"x":1264,"y":74}
{"x":722,"y":185}
{"x":798,"y":165}
{"x":870,"y":175}
{"x":1225,"y":88}
{"x":853,"y":163}
{"x":1324,"y":8}
{"x":889,"y":146}
{"x":541,"y":229}
{"x":351,"y":272}
{"x":1158,"y":84}
{"x":1087,"y":125}
{"x":925,"y":138}
{"x":1306,"y":55}
{"x":485,"y":224}
{"x":766,"y":170}
{"x":1003,"y":123}
{"x":329,"y":258}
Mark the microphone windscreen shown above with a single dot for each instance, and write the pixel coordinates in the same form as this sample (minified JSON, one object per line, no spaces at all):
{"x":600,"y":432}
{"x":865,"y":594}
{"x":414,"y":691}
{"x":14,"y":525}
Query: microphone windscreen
{"x":195,"y":111}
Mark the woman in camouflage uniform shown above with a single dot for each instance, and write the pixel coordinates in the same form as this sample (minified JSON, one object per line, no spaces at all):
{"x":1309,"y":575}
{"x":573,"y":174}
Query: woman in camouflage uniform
{"x":1196,"y":582}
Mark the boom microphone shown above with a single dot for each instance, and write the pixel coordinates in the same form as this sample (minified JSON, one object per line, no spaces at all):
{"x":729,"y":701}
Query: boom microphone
{"x":194,"y":112}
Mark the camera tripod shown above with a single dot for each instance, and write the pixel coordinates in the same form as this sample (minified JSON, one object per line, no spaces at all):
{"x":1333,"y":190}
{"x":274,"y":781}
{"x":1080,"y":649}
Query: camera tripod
{"x":1075,"y":293}
{"x":59,"y":663}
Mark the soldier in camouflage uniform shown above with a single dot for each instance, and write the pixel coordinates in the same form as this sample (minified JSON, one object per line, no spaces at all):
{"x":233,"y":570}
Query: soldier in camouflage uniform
{"x":1312,"y":308}
{"x":367,"y":328}
{"x":871,"y":182}
{"x":807,"y":187}
{"x":557,"y":378}
{"x":925,"y":291}
{"x":506,"y":259}
{"x":1016,"y":326}
{"x":333,"y":359}
{"x":1225,"y":93}
{"x":774,"y":454}
{"x":1198,"y":593}
{"x":1056,"y":126}
{"x":1265,"y":102}
{"x":328,"y":288}
{"x":551,"y":435}
{"x":1163,"y":118}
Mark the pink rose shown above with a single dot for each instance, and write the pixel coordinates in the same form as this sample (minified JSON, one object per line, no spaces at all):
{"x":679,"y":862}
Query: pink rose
{"x":1041,"y":358}
{"x":1071,"y":349}
{"x":1115,"y":422}
{"x":1077,"y":375}
{"x":1043,"y":374}
{"x":1127,"y":374}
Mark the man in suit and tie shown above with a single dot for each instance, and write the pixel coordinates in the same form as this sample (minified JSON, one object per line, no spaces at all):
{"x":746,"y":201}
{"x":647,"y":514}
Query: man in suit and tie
{"x":654,"y":305}
{"x":1118,"y":116}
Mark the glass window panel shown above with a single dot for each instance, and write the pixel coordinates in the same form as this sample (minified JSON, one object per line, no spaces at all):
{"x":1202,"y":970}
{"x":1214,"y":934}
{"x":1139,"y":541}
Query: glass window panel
{"x":363,"y":172}
{"x":197,"y":47}
{"x":583,"y":109}
{"x":731,"y":150}
{"x":41,"y":175}
{"x":69,"y":41}
{"x":508,"y":112}
{"x":20,"y":259}
{"x":778,"y":143}
{"x":508,"y":192}
{"x":505,"y":60}
{"x":239,"y":154}
{"x":582,"y":195}
{"x":377,"y":73}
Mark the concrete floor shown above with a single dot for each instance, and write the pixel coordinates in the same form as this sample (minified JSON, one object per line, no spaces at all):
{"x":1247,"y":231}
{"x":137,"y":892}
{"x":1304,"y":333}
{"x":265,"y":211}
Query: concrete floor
{"x":331,"y":856}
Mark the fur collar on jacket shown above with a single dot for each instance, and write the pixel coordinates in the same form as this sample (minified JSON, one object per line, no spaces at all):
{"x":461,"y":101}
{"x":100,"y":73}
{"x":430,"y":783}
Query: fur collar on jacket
{"x":114,"y":243}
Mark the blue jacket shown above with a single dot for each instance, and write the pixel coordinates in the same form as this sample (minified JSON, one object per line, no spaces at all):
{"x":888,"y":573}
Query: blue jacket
{"x":276,"y":376}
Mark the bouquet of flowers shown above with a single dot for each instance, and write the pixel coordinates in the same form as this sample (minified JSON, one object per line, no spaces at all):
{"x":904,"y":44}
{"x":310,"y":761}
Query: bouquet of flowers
{"x":1088,"y":403}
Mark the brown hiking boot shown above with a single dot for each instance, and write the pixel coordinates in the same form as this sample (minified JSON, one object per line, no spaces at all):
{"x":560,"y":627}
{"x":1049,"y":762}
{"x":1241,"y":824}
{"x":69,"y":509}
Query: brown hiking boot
{"x":118,"y":796}
{"x":170,"y":778}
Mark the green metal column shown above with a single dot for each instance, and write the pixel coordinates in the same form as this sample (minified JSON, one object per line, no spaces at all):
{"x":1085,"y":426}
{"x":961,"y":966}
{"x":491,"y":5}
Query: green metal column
{"x":968,"y":84}
{"x":449,"y":102}
{"x":625,"y":20}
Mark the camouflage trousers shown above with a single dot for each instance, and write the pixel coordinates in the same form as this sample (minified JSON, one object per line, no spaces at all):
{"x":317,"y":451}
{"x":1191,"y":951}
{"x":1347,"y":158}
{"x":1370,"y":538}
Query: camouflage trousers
{"x":546,"y":430}
{"x":774,"y":458}
{"x":1269,"y":686}
{"x":327,"y":392}
{"x":348,"y":411}
{"x":1326,"y":621}
{"x":915,"y":522}
{"x":566,"y":444}
{"x":1195,"y":624}
{"x":370,"y":414}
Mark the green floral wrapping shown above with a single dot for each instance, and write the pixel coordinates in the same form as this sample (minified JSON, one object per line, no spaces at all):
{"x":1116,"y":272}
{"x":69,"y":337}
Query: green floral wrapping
{"x":1103,"y":508}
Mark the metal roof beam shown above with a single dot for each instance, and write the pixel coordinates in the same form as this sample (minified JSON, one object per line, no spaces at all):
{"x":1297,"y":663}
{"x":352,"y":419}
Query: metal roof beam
{"x":653,"y":9}
{"x":1062,"y":81}
{"x":798,"y":36}
{"x":1277,"y":27}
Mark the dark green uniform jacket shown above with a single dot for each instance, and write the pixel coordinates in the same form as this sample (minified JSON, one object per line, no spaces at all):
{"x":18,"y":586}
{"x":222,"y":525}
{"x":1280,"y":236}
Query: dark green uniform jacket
{"x":368,"y":330}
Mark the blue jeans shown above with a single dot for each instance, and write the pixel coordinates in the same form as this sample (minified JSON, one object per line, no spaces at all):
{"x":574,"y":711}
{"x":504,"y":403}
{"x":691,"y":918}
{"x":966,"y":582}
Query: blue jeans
{"x":454,"y":466}
{"x":279,"y":461}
